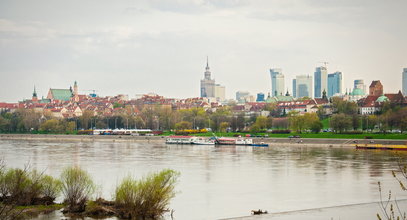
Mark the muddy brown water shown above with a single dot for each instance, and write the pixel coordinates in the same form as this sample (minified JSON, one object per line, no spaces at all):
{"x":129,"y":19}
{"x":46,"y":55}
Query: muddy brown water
{"x":227,"y":182}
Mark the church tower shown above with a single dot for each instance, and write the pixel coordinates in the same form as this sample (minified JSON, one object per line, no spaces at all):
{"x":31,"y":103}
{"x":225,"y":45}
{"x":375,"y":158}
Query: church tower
{"x":75,"y":92}
{"x":35,"y":97}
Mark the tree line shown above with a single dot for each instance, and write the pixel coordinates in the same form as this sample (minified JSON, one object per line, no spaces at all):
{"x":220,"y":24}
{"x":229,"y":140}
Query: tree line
{"x":344,"y":118}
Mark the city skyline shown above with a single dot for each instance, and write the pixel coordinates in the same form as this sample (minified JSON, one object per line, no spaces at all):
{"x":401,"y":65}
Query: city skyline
{"x":136,"y":47}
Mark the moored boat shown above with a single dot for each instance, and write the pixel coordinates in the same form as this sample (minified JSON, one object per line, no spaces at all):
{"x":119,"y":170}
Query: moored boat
{"x":261,"y":144}
{"x":180,"y":139}
{"x":203,"y":141}
{"x":381,"y":147}
{"x":232,"y":141}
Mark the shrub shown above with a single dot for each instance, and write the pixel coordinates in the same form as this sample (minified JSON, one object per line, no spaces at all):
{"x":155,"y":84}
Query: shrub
{"x":50,"y":187}
{"x":27,"y":187}
{"x":148,"y":197}
{"x":352,"y":132}
{"x":281,"y":131}
{"x":77,"y":188}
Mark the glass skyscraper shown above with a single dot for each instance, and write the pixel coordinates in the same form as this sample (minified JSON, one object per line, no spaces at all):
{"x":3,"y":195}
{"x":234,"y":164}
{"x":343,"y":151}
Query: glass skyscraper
{"x":320,"y":81}
{"x":303,"y":86}
{"x":277,"y":82}
{"x":334,"y":83}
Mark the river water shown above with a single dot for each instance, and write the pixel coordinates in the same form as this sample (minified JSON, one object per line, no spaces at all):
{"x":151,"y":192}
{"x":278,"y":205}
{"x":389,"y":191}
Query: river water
{"x":227,"y":182}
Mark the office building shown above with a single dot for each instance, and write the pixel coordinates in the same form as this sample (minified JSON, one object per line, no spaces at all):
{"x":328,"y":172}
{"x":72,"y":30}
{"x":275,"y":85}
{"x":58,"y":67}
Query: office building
{"x":334,"y":84}
{"x":359,"y":85}
{"x":242,"y":96}
{"x":260,"y":97}
{"x":304,"y":86}
{"x":277,"y":82}
{"x":294,"y":88}
{"x":209,"y":89}
{"x":320,"y":81}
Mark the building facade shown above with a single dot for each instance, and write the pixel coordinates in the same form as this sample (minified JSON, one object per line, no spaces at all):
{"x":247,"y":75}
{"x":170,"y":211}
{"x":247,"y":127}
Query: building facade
{"x":334,"y":84}
{"x":277,"y":82}
{"x":295,"y":88}
{"x":304,"y":86}
{"x":209,"y":89}
{"x":320,"y":81}
{"x":242,"y":96}
{"x":376,"y":88}
{"x":359,"y":84}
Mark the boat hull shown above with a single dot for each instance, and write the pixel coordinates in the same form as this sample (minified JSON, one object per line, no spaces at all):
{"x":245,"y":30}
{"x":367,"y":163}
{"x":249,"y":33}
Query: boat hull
{"x":382,"y":147}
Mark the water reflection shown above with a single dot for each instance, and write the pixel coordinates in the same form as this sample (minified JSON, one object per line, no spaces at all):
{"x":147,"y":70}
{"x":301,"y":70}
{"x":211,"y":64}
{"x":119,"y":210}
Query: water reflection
{"x":223,"y":182}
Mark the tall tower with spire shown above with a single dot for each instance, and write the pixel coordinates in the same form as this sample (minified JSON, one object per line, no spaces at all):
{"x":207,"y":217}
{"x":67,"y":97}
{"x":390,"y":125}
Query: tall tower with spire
{"x":75,"y":92}
{"x":35,"y":97}
{"x":207,"y":84}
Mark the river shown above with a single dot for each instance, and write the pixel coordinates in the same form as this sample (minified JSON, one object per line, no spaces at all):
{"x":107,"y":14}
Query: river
{"x":227,"y":182}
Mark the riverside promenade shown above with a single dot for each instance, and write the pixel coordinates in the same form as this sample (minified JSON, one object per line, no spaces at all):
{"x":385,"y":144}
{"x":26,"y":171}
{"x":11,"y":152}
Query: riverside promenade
{"x":309,"y":142}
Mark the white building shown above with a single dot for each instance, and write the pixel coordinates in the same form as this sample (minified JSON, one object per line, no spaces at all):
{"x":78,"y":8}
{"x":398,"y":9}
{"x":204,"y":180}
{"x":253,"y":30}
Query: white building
{"x":219,"y":93}
{"x":304,"y":86}
{"x":243,"y":96}
{"x":320,"y":81}
{"x":277,"y":82}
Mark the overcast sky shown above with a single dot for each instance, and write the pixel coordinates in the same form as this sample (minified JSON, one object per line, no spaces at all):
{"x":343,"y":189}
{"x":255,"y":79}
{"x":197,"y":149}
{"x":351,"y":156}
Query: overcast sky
{"x":141,"y":46}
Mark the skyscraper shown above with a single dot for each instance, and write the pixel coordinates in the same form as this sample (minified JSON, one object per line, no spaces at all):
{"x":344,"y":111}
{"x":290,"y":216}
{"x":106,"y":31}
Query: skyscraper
{"x":209,"y":89}
{"x":303,"y":86}
{"x":359,"y":84}
{"x":207,"y":84}
{"x":277,"y":82}
{"x":405,"y":81}
{"x":334,"y":83}
{"x":295,"y":88}
{"x":320,"y":81}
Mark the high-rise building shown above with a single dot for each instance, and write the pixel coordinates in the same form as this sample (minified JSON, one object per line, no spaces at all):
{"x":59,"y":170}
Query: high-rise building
{"x":242,"y":96}
{"x":260,"y":97}
{"x":294,"y":88}
{"x":304,"y":86}
{"x":320,"y":81}
{"x":334,"y":83}
{"x":360,"y":85}
{"x":219,"y":92}
{"x":376,"y":88}
{"x":209,"y":89}
{"x":207,"y":84}
{"x":404,"y":81}
{"x":277,"y":82}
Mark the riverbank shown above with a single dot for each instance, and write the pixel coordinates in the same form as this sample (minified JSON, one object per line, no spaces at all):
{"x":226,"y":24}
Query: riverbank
{"x":308,"y":142}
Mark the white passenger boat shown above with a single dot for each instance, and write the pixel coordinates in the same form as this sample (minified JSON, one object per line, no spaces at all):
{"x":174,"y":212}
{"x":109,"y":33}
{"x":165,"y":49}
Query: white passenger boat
{"x":203,"y":141}
{"x":180,"y":140}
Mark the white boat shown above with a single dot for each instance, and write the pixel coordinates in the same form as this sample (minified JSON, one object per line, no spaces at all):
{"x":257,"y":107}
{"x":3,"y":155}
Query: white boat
{"x":180,"y":140}
{"x":242,"y":141}
{"x":203,"y":141}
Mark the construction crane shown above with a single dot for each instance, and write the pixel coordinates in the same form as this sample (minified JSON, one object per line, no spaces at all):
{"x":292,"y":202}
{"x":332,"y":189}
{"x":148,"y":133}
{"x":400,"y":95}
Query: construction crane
{"x":324,"y":62}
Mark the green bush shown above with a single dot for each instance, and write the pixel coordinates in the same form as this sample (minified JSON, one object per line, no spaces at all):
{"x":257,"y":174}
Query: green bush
{"x":77,"y":188}
{"x":27,"y":187}
{"x":148,"y":197}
